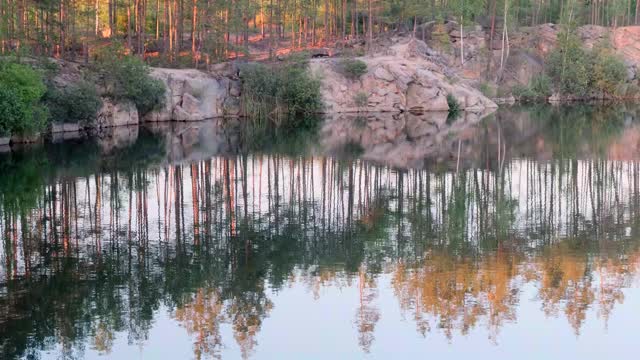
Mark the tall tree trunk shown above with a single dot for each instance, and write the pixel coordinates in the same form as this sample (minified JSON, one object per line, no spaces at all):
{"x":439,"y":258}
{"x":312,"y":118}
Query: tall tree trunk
{"x":166,"y":30}
{"x":62,"y":28}
{"x":180,"y":20}
{"x":293,"y":25}
{"x":172,"y":44}
{"x":313,"y":25}
{"x":262,"y":19}
{"x":461,"y":41}
{"x":226,"y":32}
{"x":344,"y":19}
{"x":354,"y":18}
{"x":370,"y":26}
{"x":504,"y":34}
{"x":271,"y":39}
{"x":193,"y":29}
{"x":129,"y":24}
{"x":157,"y":20}
{"x":326,"y":21}
{"x":415,"y":26}
{"x":96,"y":8}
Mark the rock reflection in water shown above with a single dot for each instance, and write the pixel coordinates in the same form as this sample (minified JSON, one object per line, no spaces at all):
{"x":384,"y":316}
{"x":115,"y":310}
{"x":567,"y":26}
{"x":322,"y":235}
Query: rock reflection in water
{"x":404,"y":140}
{"x":95,"y":246}
{"x":485,"y":140}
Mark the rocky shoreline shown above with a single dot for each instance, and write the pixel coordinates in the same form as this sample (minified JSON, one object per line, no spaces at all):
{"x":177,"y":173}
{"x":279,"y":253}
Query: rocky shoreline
{"x":404,"y":79}
{"x":405,"y":75}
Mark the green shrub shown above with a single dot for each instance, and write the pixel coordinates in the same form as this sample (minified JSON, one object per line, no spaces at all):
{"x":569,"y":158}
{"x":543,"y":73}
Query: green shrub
{"x":127,"y":77}
{"x":24,"y":80}
{"x":361,"y":99}
{"x":608,"y":72}
{"x":539,"y":87}
{"x":78,"y":103}
{"x":576,"y":71}
{"x":454,"y":106}
{"x":12,"y":110}
{"x":569,"y":66}
{"x":522,"y":92}
{"x":285,"y":95}
{"x":21,"y":89}
{"x":49,"y":67}
{"x":486,"y":89}
{"x":300,"y":58}
{"x":503,"y":91}
{"x":353,"y":68}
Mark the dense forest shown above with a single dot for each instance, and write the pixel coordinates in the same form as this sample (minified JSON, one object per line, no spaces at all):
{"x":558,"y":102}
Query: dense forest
{"x":206,"y":30}
{"x":120,"y":40}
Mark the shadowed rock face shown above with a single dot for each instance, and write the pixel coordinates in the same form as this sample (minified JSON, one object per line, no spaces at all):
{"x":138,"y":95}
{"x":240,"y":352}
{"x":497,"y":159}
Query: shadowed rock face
{"x":405,"y":78}
{"x":116,"y":114}
{"x":194,"y":95}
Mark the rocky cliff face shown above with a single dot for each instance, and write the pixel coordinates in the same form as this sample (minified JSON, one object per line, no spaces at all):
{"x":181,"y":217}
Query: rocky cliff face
{"x":195,"y":95}
{"x":113,"y":114}
{"x":626,"y":41}
{"x":404,"y":79}
{"x":191,"y":95}
{"x":407,"y":77}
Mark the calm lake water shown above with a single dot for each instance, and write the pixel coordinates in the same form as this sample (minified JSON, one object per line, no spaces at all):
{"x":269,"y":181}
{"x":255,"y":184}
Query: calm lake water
{"x":514,"y":236}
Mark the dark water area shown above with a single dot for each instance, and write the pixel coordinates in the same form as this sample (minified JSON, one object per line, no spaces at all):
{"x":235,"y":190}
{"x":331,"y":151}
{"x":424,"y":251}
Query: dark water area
{"x":512,"y":236}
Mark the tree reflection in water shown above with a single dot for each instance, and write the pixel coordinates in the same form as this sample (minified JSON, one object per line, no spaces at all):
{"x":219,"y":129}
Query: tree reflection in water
{"x":96,"y":243}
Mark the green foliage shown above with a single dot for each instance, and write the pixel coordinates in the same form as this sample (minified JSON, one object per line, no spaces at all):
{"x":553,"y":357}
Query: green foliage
{"x":78,"y":103}
{"x":608,"y":72}
{"x":22,"y":180}
{"x":283,"y":94}
{"x":21,"y":88}
{"x":127,"y":77}
{"x":569,"y":66}
{"x":24,"y":80}
{"x":12,"y":110}
{"x":49,"y":67}
{"x":522,"y":92}
{"x":353,"y":68}
{"x":572,"y":127}
{"x":467,"y":9}
{"x":292,"y":141}
{"x":454,"y":106}
{"x":361,"y":99}
{"x":539,"y":87}
{"x":299,"y":58}
{"x":503,"y":91}
{"x":576,"y":71}
{"x":486,"y":89}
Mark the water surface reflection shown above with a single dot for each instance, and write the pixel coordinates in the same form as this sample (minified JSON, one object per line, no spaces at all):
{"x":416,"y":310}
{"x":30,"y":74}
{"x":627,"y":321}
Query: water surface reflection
{"x":179,"y":242}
